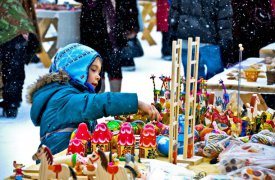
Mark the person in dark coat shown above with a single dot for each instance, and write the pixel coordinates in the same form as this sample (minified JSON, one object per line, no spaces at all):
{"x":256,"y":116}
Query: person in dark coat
{"x":105,"y":25}
{"x":18,"y":45}
{"x":67,"y":96}
{"x":211,"y":20}
{"x":253,"y":26}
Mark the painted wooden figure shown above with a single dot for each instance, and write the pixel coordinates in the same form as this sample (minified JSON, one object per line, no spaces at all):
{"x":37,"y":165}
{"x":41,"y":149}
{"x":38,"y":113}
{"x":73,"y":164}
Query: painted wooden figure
{"x":147,"y":144}
{"x":48,"y":170}
{"x":126,"y":141}
{"x":101,"y":138}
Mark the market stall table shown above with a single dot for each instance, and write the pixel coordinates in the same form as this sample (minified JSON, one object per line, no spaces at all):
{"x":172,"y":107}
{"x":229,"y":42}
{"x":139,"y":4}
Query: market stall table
{"x":260,"y":86}
{"x":151,"y":165}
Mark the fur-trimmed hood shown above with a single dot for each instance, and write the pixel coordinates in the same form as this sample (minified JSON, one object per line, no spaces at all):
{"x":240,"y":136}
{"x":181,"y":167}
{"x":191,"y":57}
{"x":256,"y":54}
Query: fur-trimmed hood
{"x":61,"y":77}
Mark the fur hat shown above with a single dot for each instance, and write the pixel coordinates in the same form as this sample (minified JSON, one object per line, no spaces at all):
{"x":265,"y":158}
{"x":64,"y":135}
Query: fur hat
{"x":75,"y":59}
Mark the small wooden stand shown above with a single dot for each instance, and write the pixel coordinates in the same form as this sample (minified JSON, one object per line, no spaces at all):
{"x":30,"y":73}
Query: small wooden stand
{"x":175,"y":100}
{"x":190,"y":103}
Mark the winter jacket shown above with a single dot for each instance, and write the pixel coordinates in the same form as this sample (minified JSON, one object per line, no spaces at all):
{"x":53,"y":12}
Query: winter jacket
{"x":13,"y":20}
{"x":59,"y":105}
{"x":211,"y":20}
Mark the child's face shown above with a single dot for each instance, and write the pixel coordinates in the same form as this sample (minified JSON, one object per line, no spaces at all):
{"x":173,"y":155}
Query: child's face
{"x":94,"y":71}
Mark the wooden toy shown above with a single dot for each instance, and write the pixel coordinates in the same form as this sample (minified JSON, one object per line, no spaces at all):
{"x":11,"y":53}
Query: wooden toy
{"x":147,"y":143}
{"x":175,"y":98}
{"x":83,"y":134}
{"x":225,"y":95}
{"x":102,"y":137}
{"x":48,"y":170}
{"x":98,"y":157}
{"x":18,"y":171}
{"x":126,"y":140}
{"x":76,"y":146}
{"x":190,"y":103}
{"x":132,"y":166}
{"x":80,"y":141}
{"x":78,"y":169}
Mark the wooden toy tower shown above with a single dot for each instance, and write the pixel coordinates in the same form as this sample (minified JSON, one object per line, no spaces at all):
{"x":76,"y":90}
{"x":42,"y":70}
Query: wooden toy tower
{"x":190,"y":103}
{"x":175,"y":100}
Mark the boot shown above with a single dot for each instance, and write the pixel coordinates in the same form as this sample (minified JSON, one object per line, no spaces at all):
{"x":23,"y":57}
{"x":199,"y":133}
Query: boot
{"x":115,"y":85}
{"x":9,"y":110}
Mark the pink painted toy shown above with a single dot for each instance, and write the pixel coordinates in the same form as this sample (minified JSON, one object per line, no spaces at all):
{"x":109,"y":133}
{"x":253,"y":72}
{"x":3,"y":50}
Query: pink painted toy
{"x":79,"y":139}
{"x":147,"y":143}
{"x":126,"y":140}
{"x":101,"y":138}
{"x":76,"y":146}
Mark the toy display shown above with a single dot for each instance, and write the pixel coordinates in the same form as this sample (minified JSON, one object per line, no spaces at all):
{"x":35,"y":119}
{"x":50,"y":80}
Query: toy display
{"x":195,"y":124}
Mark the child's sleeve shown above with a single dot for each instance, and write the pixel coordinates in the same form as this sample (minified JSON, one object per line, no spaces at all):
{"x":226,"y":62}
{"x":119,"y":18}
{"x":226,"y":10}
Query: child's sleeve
{"x":80,"y":107}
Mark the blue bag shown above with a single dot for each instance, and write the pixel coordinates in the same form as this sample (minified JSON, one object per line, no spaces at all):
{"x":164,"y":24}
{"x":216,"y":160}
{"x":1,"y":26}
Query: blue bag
{"x":210,"y":62}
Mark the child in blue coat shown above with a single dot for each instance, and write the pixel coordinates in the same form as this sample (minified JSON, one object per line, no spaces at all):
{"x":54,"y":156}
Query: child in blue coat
{"x":68,"y":96}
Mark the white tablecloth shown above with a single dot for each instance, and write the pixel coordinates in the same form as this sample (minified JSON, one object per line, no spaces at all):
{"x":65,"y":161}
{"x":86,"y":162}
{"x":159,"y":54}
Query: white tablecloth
{"x":68,"y":25}
{"x":260,"y":85}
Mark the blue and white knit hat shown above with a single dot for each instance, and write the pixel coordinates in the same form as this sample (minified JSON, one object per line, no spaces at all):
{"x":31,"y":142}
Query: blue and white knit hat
{"x":75,"y":59}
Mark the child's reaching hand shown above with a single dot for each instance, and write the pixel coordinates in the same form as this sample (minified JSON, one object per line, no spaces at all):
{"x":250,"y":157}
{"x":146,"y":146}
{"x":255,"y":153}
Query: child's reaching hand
{"x":149,"y":110}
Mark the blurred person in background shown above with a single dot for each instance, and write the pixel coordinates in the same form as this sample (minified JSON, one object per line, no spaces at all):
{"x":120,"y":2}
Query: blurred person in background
{"x":18,"y":45}
{"x":106,"y":25}
{"x":211,"y":20}
{"x":128,"y":64}
{"x":162,"y":26}
{"x":253,"y":25}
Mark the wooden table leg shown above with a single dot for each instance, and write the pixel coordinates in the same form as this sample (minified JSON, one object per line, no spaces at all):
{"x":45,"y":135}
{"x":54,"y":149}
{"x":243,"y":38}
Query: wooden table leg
{"x":44,"y":25}
{"x":149,"y":24}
